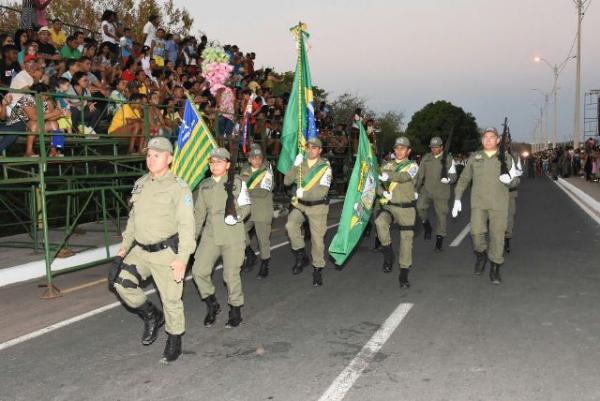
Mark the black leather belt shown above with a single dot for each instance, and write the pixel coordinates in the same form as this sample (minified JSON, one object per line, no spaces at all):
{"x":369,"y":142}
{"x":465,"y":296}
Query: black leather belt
{"x":513,"y":189}
{"x":171,"y":242}
{"x":403,"y":204}
{"x":314,"y":203}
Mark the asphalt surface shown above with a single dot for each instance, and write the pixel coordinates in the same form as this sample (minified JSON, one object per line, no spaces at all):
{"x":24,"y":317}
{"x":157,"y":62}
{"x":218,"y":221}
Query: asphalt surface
{"x":535,"y":337}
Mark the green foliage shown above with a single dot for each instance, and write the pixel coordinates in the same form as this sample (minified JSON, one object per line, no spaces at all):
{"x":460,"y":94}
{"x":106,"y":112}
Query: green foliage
{"x":437,"y":119}
{"x":390,"y":127}
{"x":343,"y":107}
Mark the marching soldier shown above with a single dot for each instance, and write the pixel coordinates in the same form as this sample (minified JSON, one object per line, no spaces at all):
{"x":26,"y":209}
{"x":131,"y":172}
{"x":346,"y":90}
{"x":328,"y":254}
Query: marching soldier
{"x":157,"y":243}
{"x":397,"y":205}
{"x":222,"y":237}
{"x":489,"y":202}
{"x":433,"y":185}
{"x":311,"y":203}
{"x":259,"y":181}
{"x":513,"y":193}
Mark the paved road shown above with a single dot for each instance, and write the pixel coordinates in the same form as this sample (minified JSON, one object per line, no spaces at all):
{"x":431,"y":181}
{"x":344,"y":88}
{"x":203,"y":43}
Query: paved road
{"x":535,"y":337}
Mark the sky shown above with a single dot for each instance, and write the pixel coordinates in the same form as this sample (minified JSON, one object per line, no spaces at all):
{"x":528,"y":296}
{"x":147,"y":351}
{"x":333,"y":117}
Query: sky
{"x":402,"y":55}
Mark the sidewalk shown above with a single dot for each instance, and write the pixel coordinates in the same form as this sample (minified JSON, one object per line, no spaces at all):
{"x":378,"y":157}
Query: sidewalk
{"x":586,"y":194}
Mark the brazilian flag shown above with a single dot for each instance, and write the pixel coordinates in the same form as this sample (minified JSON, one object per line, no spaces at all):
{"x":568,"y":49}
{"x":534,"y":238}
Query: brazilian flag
{"x":299,"y":119}
{"x":359,"y":202}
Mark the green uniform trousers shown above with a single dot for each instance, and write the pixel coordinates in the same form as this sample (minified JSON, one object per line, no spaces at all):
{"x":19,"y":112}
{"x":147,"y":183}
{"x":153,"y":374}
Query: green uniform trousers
{"x":263,"y":235}
{"x":497,"y":220}
{"x":205,"y":258}
{"x":405,"y":218}
{"x":512,"y":210}
{"x":155,"y":265}
{"x":317,"y":221}
{"x":441,"y":211}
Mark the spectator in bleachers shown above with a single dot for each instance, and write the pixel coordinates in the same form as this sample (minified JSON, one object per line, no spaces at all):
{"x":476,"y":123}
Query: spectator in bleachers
{"x":20,"y":38}
{"x":126,"y":45}
{"x":30,"y":49}
{"x":149,"y":32}
{"x":108,"y":30}
{"x":70,"y":50}
{"x":9,"y":66}
{"x":58,"y":37}
{"x":84,"y":113}
{"x":128,"y":122}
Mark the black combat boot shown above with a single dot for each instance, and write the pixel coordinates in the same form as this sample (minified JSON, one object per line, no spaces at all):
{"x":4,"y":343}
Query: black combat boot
{"x":388,"y":258}
{"x":480,"y":262}
{"x":377,"y":244}
{"x":212,"y":310}
{"x":428,"y":229}
{"x":172,"y":348}
{"x":403,"y":279}
{"x":250,"y":259}
{"x":301,"y":261}
{"x":235,"y":317}
{"x":317,"y":278}
{"x":495,"y":273}
{"x":507,"y":245}
{"x":439,"y":241}
{"x":153,"y":320}
{"x":264,"y":269}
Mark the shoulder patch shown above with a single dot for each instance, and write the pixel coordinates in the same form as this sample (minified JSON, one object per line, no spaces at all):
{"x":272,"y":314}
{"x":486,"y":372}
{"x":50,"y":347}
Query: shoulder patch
{"x":139,"y":183}
{"x":413,"y":170}
{"x":188,"y":200}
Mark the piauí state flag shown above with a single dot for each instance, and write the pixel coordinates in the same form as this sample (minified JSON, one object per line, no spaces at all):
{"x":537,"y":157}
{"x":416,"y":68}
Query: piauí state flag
{"x":299,"y":119}
{"x":359,"y":202}
{"x":192,"y":150}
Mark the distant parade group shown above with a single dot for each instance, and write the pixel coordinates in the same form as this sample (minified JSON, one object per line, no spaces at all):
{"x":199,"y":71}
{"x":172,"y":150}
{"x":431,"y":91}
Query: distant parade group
{"x":166,"y":220}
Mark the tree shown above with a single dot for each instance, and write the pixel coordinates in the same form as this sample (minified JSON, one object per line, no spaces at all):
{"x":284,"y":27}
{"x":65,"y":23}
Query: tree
{"x":390,"y":127}
{"x":437,"y":119}
{"x":344,"y":106}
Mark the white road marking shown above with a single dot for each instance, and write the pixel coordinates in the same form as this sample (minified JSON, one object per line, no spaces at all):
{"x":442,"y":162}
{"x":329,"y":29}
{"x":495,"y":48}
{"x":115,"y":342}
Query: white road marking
{"x":586,"y":207}
{"x":75,"y":319}
{"x":344,"y":382}
{"x":461,"y":236}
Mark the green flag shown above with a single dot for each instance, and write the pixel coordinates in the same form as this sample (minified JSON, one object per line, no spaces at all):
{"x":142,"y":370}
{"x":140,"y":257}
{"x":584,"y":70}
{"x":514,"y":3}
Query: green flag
{"x":299,"y":119}
{"x":359,"y":202}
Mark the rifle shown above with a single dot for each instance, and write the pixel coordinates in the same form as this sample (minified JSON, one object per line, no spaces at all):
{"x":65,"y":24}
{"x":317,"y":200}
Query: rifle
{"x":445,"y":154}
{"x":230,"y":202}
{"x":502,"y":148}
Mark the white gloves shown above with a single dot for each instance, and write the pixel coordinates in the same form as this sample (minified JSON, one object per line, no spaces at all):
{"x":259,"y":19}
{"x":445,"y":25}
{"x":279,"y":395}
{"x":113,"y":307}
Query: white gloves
{"x":383,"y":177}
{"x":505,"y":179}
{"x":416,"y":195}
{"x":299,"y":193}
{"x":387,"y":195}
{"x":445,"y":180}
{"x":298,"y":160}
{"x":456,"y":208}
{"x":515,"y":171}
{"x":452,"y":169}
{"x":230,"y":220}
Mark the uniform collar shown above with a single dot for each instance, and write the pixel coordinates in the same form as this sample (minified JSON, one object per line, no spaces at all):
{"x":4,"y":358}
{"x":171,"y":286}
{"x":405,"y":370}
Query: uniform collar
{"x":165,"y":176}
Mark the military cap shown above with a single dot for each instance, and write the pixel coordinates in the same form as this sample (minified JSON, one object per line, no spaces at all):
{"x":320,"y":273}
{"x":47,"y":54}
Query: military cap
{"x":220,"y":153}
{"x":402,"y":141}
{"x":490,"y":129}
{"x":255,"y":151}
{"x":435,"y":142}
{"x":315,"y":142}
{"x":160,"y":144}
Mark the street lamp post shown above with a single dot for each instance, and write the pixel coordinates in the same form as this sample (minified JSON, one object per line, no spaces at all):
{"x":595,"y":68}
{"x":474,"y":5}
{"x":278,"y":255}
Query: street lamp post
{"x":556,"y":70}
{"x":544,"y":114}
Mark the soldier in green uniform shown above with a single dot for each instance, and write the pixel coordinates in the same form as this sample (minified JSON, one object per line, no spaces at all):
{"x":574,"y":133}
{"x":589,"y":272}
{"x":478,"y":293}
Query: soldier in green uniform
{"x":258,"y":176}
{"x":397,"y":205}
{"x":513,"y":194}
{"x":489,"y":202}
{"x":311,"y":203}
{"x":157,"y":243}
{"x":432,"y":187}
{"x":221,"y":237}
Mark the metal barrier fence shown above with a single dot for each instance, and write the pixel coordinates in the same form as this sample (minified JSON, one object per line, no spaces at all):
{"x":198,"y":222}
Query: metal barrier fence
{"x":89,"y":183}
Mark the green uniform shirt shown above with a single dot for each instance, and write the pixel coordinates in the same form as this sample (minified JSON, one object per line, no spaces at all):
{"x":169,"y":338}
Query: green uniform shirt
{"x":210,"y":209}
{"x":261,"y":196}
{"x":161,"y":207}
{"x":488,"y":192}
{"x":401,"y":181}
{"x":430,"y":174}
{"x":318,"y":191}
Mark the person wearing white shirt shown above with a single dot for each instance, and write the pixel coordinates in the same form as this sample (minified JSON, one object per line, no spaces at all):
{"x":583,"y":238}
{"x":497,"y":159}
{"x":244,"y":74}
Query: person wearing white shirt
{"x":149,"y":32}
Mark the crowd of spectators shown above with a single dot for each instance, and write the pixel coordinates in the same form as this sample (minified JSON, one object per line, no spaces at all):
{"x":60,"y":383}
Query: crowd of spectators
{"x":566,"y":161}
{"x":104,"y":85}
